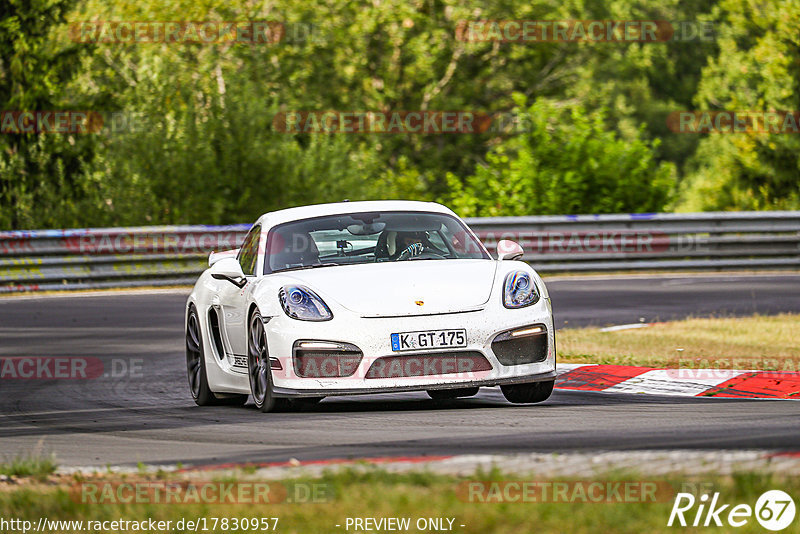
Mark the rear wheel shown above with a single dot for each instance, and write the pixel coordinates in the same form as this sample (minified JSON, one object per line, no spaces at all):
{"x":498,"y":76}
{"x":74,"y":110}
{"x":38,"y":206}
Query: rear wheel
{"x":259,"y":368}
{"x":196,"y":367}
{"x":528,"y":393}
{"x":444,"y":394}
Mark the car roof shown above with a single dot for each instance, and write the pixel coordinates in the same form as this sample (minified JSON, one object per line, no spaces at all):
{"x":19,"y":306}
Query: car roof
{"x":336,"y":208}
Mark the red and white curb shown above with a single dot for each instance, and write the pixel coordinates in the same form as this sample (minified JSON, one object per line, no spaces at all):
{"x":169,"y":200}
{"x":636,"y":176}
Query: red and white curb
{"x":679,"y":382}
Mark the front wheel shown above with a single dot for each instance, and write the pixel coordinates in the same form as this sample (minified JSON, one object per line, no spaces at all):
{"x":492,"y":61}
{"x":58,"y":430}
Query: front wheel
{"x":259,"y":368}
{"x":528,"y":393}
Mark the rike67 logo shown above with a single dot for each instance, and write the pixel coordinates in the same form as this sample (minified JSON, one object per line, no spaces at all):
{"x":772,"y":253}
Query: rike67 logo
{"x":774,"y":510}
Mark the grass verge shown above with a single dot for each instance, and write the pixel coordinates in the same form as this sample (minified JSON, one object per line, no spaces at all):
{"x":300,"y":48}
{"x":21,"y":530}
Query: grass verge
{"x":768,"y":342}
{"x":35,"y":466}
{"x":372,"y":492}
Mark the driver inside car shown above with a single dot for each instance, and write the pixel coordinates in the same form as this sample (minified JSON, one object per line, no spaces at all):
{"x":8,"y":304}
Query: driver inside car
{"x":410,"y":244}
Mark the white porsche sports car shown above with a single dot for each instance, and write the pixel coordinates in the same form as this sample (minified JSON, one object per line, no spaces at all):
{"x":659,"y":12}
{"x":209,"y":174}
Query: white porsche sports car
{"x":367,"y":297}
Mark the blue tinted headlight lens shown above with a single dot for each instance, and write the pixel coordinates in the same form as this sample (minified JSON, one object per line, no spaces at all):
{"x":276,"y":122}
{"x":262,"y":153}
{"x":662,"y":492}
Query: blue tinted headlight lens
{"x":296,"y":296}
{"x":519,"y":290}
{"x":299,"y":302}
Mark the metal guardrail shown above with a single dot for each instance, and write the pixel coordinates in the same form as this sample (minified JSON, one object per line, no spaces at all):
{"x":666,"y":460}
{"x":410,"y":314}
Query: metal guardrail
{"x":41,"y":260}
{"x":661,"y":241}
{"x":96,"y":258}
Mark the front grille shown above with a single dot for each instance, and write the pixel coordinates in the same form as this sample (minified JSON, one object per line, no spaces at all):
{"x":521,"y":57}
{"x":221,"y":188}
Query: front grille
{"x":326,"y":363}
{"x":435,"y":363}
{"x":511,"y":350}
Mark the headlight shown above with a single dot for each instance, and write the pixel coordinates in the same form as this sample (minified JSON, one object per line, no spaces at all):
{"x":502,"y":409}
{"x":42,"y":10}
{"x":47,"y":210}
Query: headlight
{"x":299,"y":302}
{"x":519,"y":290}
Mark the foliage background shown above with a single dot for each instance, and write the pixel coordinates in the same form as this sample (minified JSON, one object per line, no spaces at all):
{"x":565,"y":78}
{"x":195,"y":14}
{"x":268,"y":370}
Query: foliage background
{"x":199,"y":145}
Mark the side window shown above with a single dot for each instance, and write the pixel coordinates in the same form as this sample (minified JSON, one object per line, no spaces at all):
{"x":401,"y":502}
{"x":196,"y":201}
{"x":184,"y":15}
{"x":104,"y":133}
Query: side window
{"x":248,"y":254}
{"x":436,"y":240}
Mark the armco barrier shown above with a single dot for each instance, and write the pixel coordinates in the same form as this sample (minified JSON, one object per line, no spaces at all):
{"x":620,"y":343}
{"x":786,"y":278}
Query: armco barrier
{"x":40,"y":260}
{"x":697,"y":241}
{"x":94,"y":258}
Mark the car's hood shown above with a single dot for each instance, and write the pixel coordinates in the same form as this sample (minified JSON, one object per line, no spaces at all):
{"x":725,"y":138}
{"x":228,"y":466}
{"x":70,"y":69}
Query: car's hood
{"x":419,"y":287}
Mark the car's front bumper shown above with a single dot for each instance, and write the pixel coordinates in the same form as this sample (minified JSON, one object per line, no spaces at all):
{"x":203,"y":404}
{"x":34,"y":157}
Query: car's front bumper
{"x":372,"y":336}
{"x":301,"y":393}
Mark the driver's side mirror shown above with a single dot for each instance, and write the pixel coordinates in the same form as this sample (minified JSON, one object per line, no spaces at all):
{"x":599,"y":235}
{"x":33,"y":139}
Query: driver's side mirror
{"x":230,"y":270}
{"x":509,"y":250}
{"x":214,"y":257}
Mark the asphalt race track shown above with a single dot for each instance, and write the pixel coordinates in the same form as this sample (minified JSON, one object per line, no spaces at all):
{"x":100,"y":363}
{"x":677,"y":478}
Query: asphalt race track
{"x":151,"y":417}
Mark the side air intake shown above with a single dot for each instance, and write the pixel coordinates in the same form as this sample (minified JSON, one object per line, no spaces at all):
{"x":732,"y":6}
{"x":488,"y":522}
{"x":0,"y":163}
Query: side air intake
{"x":216,"y":335}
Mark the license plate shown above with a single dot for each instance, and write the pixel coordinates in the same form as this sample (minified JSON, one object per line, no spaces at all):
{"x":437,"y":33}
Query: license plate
{"x":429,"y":339}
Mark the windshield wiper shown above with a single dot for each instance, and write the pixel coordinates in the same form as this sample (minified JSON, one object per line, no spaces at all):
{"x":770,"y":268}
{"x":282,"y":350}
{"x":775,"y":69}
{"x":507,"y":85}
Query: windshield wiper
{"x":303,"y":267}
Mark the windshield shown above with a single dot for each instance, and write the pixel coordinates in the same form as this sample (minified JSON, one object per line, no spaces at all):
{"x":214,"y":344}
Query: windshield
{"x":371,"y":237}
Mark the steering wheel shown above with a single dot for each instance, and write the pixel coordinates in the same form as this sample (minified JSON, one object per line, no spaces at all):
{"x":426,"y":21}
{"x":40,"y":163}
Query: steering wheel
{"x":427,"y":255}
{"x":418,"y":251}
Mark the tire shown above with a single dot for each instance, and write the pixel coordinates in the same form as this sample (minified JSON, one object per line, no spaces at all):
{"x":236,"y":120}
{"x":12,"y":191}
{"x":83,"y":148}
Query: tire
{"x":196,"y":368}
{"x":528,"y":393}
{"x":259,"y":368}
{"x":445,"y":394}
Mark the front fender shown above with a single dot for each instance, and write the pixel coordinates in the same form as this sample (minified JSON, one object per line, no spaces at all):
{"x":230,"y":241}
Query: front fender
{"x":264,"y":296}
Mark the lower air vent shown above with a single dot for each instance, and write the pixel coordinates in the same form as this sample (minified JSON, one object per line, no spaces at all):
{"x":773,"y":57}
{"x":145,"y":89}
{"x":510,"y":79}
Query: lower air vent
{"x":521,"y":346}
{"x":436,"y":363}
{"x":325,"y":359}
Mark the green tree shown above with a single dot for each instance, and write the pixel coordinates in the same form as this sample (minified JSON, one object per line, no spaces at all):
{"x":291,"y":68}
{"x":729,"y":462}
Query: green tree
{"x":204,"y":148}
{"x":43,"y":178}
{"x":756,"y":70}
{"x":567,"y":162}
